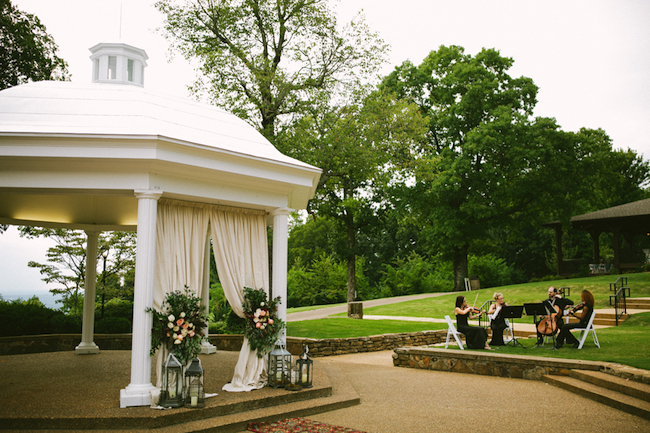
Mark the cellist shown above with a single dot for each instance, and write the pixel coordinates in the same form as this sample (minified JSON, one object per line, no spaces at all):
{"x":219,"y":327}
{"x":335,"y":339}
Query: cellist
{"x":555,"y":305}
{"x":587,"y":307}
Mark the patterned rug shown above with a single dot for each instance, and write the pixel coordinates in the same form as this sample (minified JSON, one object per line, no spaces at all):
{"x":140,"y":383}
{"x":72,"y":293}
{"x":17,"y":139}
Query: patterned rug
{"x":297,"y":425}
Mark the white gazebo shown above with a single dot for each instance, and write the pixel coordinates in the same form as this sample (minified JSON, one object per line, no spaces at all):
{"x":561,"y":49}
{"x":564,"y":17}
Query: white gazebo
{"x":111,"y":156}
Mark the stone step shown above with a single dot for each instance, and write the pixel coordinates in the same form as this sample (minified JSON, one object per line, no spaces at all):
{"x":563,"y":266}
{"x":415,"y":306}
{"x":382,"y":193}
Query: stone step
{"x":638,"y":305}
{"x":615,"y":383}
{"x":617,"y":400}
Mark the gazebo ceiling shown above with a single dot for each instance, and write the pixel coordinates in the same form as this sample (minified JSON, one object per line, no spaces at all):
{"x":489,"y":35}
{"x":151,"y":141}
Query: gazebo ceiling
{"x":72,"y":155}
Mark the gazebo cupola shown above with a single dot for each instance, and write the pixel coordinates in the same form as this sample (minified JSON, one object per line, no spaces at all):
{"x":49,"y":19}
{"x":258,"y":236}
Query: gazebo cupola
{"x":118,"y":63}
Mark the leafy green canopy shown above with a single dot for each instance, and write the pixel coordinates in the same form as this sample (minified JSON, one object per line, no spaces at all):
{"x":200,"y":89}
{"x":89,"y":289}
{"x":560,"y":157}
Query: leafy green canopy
{"x":488,"y":164}
{"x":27,"y":51}
{"x":264,"y":59}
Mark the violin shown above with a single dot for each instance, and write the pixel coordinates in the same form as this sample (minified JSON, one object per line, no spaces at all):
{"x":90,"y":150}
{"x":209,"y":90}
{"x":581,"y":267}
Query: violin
{"x":578,"y":307}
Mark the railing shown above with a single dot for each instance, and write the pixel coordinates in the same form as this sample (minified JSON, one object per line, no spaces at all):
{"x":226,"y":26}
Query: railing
{"x":484,"y":317}
{"x":615,"y":285}
{"x":619,"y":299}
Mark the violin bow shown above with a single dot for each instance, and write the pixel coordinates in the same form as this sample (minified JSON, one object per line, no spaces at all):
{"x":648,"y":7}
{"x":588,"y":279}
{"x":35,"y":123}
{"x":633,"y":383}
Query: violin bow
{"x":475,"y":299}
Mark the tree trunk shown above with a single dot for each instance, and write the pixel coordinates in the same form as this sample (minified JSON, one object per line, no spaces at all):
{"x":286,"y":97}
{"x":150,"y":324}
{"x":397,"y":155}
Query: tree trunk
{"x":460,"y":267}
{"x":352,"y":269}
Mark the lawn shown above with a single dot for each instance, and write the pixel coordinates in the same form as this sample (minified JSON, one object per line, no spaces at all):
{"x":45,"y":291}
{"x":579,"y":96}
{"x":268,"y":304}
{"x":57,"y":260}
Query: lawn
{"x":627,"y":344}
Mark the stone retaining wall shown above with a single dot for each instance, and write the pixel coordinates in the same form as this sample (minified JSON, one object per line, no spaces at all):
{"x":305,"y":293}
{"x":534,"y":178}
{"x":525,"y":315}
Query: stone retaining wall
{"x":326,"y":347}
{"x":487,"y":363}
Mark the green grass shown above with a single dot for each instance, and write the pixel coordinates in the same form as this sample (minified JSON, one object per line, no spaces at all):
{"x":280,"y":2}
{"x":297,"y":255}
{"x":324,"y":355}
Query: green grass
{"x":627,"y":344}
{"x":311,"y":307}
{"x":347,"y":328}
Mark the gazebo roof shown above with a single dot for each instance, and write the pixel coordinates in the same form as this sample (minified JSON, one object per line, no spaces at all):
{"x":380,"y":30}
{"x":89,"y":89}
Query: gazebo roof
{"x":630,"y":217}
{"x":65,"y":108}
{"x":72,"y":155}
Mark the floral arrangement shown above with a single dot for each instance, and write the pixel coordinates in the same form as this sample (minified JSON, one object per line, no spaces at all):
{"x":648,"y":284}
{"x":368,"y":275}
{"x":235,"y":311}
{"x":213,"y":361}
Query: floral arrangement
{"x":262,"y":323}
{"x":179,"y":325}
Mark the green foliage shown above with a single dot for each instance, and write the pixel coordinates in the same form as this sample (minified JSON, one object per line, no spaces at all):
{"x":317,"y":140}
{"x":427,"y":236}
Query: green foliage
{"x":262,"y":321}
{"x":323,"y":282}
{"x":31,"y":317}
{"x":492,"y":271}
{"x":113,"y":325}
{"x":27,"y":51}
{"x":178,"y":325}
{"x":265,"y":60}
{"x":411,"y":276}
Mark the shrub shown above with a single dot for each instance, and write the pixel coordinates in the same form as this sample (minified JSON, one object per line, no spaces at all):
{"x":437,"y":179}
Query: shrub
{"x":491,"y":270}
{"x":113,"y":325}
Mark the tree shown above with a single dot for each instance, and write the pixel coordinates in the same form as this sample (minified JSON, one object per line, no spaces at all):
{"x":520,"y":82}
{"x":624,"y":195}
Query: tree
{"x":66,"y":267}
{"x":264,"y":60}
{"x":488,"y":164}
{"x":361,"y":148}
{"x":27,"y":51}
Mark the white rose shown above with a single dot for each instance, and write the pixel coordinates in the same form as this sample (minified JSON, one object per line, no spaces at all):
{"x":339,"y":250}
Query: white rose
{"x":262,"y":304}
{"x":177,"y":342}
{"x":176,"y":328}
{"x":182,"y":315}
{"x":170,"y":325}
{"x":171,"y":318}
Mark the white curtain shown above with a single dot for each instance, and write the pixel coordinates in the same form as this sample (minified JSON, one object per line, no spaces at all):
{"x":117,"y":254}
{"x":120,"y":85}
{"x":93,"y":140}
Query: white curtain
{"x":241,"y":254}
{"x":180,"y":256}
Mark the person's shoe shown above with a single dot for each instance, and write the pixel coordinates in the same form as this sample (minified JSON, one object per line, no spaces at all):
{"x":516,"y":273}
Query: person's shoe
{"x":557,"y":346}
{"x":576,"y":345}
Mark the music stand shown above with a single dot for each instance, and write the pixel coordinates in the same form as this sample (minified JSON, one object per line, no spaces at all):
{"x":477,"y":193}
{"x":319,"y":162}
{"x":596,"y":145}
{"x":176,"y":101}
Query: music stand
{"x":512,"y":312}
{"x":537,"y":310}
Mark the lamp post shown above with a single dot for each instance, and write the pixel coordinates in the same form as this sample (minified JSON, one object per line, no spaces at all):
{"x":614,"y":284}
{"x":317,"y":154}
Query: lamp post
{"x":171,"y":394}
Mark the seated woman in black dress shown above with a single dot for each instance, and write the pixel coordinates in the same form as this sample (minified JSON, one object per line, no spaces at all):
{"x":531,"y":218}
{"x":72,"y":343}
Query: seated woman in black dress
{"x":497,"y":323}
{"x":475,"y":336}
{"x":587,"y":307}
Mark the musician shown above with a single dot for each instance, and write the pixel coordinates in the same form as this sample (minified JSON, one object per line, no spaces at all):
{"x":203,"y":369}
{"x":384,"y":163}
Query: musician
{"x":587,"y":307}
{"x":555,"y":306}
{"x":475,"y":336}
{"x":497,"y":323}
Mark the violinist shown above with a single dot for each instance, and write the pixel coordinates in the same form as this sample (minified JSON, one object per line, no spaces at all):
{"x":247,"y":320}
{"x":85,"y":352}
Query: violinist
{"x":497,"y":323}
{"x":555,"y":306}
{"x":475,"y":336}
{"x":587,"y":307}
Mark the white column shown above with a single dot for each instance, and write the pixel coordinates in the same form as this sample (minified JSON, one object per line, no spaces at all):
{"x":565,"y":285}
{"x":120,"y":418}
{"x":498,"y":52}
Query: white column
{"x":280,"y":258}
{"x":206,"y":347}
{"x":87,"y":345}
{"x":137,"y":392}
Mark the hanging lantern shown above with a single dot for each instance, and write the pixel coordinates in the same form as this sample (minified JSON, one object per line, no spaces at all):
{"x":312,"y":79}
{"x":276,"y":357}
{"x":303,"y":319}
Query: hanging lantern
{"x":279,"y":366}
{"x":305,"y":368}
{"x":194,"y":391}
{"x":171,"y":393}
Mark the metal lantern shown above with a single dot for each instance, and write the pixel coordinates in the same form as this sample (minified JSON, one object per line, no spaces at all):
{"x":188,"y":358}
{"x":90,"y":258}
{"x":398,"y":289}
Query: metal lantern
{"x":305,"y":368}
{"x":194,"y":391}
{"x":279,"y":366}
{"x":171,"y":394}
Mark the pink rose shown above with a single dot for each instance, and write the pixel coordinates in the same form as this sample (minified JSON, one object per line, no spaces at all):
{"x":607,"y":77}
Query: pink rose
{"x":179,"y":322}
{"x":258,"y":325}
{"x":270,"y":321}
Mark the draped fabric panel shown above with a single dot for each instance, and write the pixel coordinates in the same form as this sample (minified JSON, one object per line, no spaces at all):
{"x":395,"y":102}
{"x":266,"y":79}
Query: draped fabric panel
{"x":241,"y":255}
{"x":180,"y":256}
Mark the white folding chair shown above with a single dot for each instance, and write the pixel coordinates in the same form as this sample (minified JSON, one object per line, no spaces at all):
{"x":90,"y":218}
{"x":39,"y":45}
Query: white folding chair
{"x":451,"y":330}
{"x":468,"y":285}
{"x":584,"y":332}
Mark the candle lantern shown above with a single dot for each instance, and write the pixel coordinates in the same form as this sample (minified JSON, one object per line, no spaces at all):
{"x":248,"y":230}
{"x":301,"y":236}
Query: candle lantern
{"x":305,"y":368}
{"x":279,"y":366}
{"x":194,"y":390}
{"x":171,"y":393}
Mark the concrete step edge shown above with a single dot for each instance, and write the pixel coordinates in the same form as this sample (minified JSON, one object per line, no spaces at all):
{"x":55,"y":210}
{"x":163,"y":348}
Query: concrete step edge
{"x":602,"y":395}
{"x":614,"y":383}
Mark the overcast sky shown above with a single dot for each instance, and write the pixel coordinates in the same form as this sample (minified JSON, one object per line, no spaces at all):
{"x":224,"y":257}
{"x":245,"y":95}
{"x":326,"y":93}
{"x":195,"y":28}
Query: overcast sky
{"x":589,"y":58}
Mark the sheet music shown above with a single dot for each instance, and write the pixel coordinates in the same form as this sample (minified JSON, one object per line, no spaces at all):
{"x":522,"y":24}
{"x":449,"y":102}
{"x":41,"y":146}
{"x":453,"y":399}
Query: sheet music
{"x":496,"y":313}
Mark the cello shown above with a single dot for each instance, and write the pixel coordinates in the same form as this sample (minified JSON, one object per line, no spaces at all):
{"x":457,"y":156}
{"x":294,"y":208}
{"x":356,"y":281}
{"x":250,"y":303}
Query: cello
{"x":548,"y":325}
